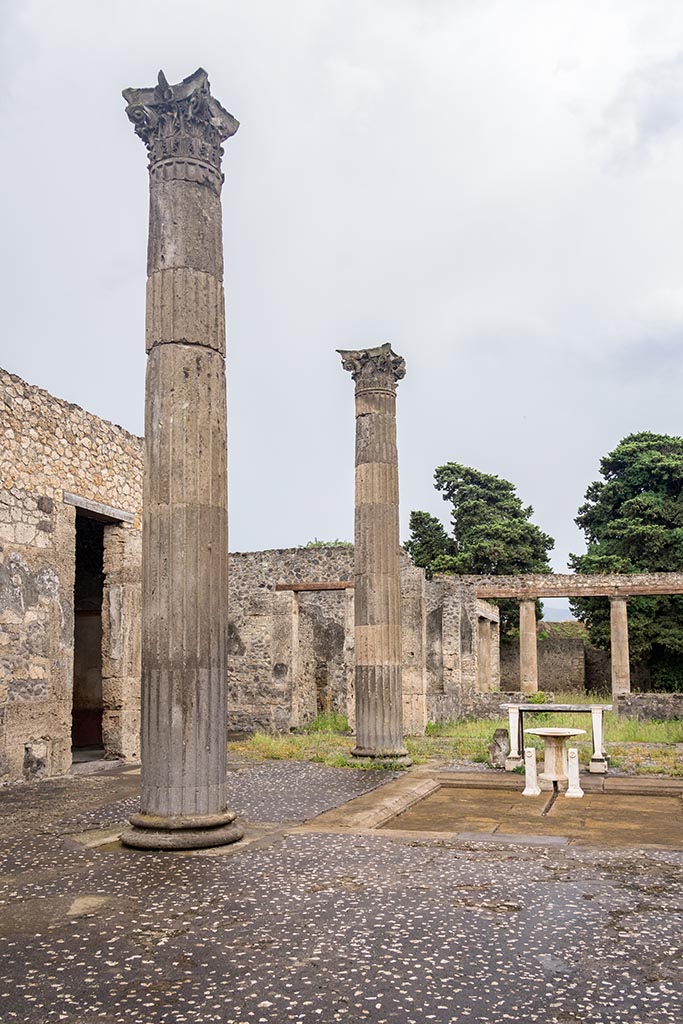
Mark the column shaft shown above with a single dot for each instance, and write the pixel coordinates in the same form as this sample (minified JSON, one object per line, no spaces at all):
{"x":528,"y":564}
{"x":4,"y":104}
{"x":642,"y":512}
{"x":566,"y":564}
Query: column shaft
{"x":484,"y":657}
{"x":378,"y":655}
{"x":185,"y":515}
{"x":621,"y":674}
{"x":528,"y":656}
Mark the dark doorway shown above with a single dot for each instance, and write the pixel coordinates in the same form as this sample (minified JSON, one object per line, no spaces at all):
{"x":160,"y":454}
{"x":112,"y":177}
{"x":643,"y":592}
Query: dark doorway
{"x":86,"y":731}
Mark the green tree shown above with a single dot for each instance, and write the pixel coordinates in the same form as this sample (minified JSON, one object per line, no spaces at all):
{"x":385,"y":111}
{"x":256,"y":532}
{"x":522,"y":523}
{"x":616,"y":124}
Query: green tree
{"x":633,"y":522}
{"x":491,"y":532}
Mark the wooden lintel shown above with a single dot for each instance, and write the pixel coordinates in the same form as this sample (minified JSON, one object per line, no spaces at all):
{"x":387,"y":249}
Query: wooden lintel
{"x":336,"y":585}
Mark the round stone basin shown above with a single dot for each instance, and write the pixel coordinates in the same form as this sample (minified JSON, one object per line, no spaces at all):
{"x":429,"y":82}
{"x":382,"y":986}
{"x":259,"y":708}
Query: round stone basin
{"x":555,"y":751}
{"x":557,"y":732}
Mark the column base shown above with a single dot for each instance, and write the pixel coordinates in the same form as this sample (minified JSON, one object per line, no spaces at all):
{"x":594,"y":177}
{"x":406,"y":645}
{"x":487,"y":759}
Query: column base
{"x":513,"y":762}
{"x":181,"y":832}
{"x":400,"y":757}
{"x":598,"y":765}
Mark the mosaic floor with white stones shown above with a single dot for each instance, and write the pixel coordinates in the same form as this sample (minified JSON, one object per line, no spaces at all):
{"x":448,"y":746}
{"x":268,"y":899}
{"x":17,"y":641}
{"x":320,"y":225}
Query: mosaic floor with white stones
{"x":303,"y":926}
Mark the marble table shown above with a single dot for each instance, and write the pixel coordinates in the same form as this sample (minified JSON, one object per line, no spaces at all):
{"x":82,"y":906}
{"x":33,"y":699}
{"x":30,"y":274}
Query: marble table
{"x":599,"y":760}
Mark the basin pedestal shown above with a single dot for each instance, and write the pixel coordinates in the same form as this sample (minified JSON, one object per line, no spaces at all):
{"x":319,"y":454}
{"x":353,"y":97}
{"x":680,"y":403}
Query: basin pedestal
{"x":555,"y":760}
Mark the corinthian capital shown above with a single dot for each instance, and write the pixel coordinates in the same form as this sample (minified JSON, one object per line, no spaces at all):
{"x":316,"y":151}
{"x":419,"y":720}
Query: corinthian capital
{"x":182,"y":126}
{"x":374,"y":367}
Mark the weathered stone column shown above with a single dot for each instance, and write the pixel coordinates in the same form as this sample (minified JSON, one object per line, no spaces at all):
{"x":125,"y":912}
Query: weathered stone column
{"x":185,"y":518}
{"x":484,"y":657}
{"x":621,"y":674}
{"x":528,"y":656}
{"x":379,"y":718}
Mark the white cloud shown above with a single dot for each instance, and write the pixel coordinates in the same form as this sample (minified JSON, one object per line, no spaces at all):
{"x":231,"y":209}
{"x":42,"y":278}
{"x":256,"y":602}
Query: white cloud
{"x":440,"y":175}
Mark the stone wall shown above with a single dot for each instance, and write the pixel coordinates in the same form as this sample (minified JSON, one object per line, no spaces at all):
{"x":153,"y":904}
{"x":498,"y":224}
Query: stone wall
{"x":487,"y":705}
{"x":561,"y":664}
{"x":49,"y":448}
{"x":664,"y":707}
{"x":291,"y":654}
{"x":599,"y":672}
{"x":452,"y":649}
{"x":280,"y":640}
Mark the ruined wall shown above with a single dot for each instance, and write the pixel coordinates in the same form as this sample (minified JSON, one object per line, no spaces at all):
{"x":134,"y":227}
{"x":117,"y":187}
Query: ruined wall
{"x":663,"y":707}
{"x":291,"y":654}
{"x":561,"y":664}
{"x":325,"y":653}
{"x":278,"y":641}
{"x":599,"y":672}
{"x":50,"y":447}
{"x":452,"y":647}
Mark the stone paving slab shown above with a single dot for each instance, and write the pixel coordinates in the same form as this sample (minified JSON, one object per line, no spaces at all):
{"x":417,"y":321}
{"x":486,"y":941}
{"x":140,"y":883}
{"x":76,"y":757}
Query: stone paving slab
{"x":601,"y":819}
{"x":325,"y":926}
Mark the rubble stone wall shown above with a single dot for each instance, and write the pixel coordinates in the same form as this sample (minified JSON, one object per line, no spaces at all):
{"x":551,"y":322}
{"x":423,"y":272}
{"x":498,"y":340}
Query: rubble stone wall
{"x":663,"y":707}
{"x":291,"y":653}
{"x":561,"y":664}
{"x":276,"y":640}
{"x":50,"y":447}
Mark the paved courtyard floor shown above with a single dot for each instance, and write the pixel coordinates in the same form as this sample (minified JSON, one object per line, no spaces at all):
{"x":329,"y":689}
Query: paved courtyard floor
{"x":338,"y":911}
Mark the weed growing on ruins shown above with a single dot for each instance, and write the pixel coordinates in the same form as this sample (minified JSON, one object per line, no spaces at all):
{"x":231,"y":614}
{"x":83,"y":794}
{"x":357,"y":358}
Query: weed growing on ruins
{"x":332,"y":749}
{"x":329,"y":721}
{"x":336,"y":543}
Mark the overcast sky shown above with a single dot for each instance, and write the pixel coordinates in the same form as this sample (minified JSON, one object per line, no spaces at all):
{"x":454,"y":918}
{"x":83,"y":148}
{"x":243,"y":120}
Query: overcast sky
{"x":493,"y":186}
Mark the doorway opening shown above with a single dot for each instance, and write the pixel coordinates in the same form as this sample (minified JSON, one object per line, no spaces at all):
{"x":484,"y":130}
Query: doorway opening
{"x":86,"y":728}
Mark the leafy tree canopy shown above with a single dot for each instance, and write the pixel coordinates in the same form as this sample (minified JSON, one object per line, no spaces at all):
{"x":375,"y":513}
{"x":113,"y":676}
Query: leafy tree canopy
{"x":633,"y":522}
{"x":491,"y":531}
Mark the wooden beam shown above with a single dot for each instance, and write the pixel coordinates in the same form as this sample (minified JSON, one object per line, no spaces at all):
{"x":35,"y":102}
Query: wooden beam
{"x":96,"y":510}
{"x":575,"y":585}
{"x":299,"y":587}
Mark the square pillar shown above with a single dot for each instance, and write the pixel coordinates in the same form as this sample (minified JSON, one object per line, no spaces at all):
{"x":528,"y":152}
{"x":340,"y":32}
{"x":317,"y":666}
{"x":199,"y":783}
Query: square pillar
{"x":528,"y":657}
{"x":621,"y":673}
{"x":484,"y":656}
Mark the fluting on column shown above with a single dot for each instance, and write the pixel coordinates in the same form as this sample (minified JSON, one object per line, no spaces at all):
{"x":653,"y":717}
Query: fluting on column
{"x":379,"y":712}
{"x":185,"y":514}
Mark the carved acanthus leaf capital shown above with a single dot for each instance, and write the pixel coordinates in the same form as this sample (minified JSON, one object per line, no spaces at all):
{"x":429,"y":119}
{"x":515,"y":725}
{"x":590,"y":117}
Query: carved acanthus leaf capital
{"x":181,"y":123}
{"x":374,"y":366}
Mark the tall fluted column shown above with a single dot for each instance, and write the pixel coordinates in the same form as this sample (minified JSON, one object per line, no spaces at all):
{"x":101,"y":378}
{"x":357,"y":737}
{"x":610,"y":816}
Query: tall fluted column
{"x":379,"y":712}
{"x":528,"y":653}
{"x":185,"y":518}
{"x":621,"y":672}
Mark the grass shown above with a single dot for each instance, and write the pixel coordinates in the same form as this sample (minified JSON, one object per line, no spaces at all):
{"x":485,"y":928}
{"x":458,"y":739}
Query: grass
{"x":328,"y":722}
{"x":643,"y":748}
{"x":623,"y":737}
{"x":326,"y":740}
